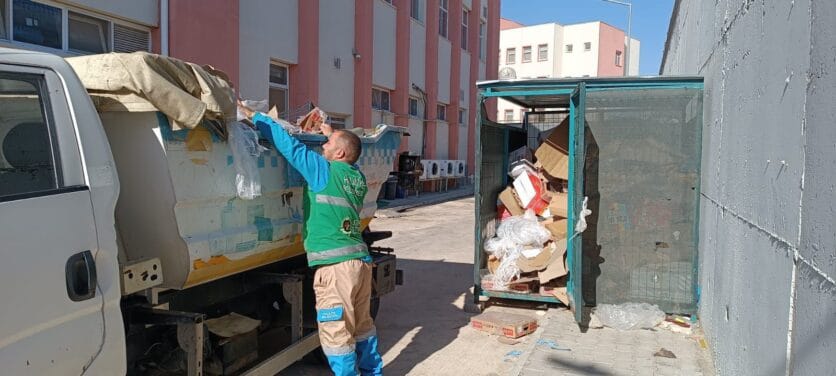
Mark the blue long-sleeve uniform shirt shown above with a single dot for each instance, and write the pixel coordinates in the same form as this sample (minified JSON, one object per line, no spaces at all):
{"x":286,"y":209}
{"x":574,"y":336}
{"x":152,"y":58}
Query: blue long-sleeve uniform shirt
{"x":312,"y":166}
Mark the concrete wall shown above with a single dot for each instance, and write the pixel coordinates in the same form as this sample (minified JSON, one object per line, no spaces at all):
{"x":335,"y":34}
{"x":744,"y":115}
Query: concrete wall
{"x":612,"y":41}
{"x":444,"y":86}
{"x":767,"y":250}
{"x":140,"y":11}
{"x":579,"y":63}
{"x":635,"y":53}
{"x":417,"y":52}
{"x":464,"y":83}
{"x":268,"y":30}
{"x":336,"y":38}
{"x":384,"y":45}
{"x":191,"y":41}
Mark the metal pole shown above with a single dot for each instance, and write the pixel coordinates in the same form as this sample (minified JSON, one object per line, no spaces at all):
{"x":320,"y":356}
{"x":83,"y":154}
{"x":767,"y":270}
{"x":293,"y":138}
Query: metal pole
{"x":629,"y":40}
{"x":629,"y":22}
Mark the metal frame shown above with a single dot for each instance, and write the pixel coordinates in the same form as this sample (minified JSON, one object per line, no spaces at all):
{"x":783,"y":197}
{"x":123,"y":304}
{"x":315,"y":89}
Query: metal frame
{"x":510,"y":90}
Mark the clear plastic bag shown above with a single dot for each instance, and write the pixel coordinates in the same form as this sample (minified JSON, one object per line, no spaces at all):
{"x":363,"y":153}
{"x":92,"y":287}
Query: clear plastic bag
{"x":507,"y":270}
{"x":629,"y":316}
{"x":243,"y":141}
{"x":523,"y":230}
{"x":500,"y":247}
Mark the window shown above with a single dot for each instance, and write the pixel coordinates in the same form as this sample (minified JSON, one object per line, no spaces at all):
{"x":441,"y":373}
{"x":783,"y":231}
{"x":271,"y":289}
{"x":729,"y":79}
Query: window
{"x":484,"y":11}
{"x":68,"y":30}
{"x":87,"y":34}
{"x":618,"y":58}
{"x":465,"y":17}
{"x":441,"y":112}
{"x":442,"y":18}
{"x":568,"y":48}
{"x":278,"y":89}
{"x":526,"y":54}
{"x":380,"y":99}
{"x":27,"y":164}
{"x":482,"y":40}
{"x":509,"y":115}
{"x":415,"y":10}
{"x":510,"y":55}
{"x":37,"y":24}
{"x":462,"y":116}
{"x":337,"y":122}
{"x":587,"y":46}
{"x":543,"y":52}
{"x":413,"y":107}
{"x":388,"y":1}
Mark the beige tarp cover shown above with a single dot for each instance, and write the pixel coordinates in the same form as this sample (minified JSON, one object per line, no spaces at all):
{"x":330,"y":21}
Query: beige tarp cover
{"x":140,"y":81}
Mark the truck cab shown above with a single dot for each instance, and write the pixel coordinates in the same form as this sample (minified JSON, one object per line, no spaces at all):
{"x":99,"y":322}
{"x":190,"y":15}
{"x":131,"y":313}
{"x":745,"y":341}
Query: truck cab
{"x":59,"y":279}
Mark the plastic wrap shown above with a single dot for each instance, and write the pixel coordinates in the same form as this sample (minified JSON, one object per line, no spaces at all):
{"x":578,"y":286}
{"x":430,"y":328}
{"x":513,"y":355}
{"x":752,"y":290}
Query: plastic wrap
{"x":243,"y":141}
{"x":507,"y":270}
{"x":629,"y":316}
{"x":523,"y":230}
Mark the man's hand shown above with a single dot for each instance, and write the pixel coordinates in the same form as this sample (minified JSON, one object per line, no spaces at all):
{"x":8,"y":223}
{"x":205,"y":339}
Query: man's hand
{"x":248,"y":112}
{"x":326,"y":129}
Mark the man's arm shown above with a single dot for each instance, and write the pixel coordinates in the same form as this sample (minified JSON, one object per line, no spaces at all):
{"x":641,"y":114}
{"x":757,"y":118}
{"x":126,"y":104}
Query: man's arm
{"x":312,"y":166}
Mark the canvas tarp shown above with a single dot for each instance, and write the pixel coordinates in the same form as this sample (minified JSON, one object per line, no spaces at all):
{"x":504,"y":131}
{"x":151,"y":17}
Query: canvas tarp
{"x":140,"y":81}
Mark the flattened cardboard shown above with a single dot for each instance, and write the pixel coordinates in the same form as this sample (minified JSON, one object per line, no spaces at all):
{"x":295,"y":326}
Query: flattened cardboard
{"x":559,"y":228}
{"x":553,"y":153}
{"x":556,"y":267}
{"x":510,"y":201}
{"x":538,"y":263}
{"x":559,"y":205}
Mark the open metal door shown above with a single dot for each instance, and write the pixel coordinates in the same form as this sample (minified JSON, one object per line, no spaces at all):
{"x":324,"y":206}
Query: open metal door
{"x":577,"y":156}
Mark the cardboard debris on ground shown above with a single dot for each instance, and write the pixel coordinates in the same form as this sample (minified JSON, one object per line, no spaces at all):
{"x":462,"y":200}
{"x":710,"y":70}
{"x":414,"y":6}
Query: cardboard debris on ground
{"x":504,"y":324}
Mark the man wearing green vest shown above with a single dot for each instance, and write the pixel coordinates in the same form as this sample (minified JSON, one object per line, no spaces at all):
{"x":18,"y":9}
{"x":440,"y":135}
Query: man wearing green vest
{"x":332,"y":202}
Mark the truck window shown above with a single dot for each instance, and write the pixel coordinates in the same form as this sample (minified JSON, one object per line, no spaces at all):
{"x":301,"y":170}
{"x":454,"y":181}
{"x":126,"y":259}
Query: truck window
{"x":27,"y":161}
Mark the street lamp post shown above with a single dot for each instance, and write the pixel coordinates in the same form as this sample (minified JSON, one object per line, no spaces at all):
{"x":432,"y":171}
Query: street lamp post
{"x":629,"y":21}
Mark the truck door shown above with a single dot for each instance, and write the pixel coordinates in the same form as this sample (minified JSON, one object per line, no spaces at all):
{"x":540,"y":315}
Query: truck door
{"x":52,"y":312}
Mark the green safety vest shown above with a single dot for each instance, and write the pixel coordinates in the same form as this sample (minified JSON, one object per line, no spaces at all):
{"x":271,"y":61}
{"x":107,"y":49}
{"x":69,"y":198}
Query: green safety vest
{"x":332,"y":217}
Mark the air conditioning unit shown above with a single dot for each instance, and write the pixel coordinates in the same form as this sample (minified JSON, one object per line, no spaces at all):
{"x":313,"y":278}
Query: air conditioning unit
{"x":459,"y":168}
{"x":446,"y":167}
{"x":433,"y":169}
{"x":425,"y":166}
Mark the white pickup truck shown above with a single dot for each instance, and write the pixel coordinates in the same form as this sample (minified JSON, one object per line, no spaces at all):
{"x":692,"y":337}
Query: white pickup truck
{"x":174,"y":273}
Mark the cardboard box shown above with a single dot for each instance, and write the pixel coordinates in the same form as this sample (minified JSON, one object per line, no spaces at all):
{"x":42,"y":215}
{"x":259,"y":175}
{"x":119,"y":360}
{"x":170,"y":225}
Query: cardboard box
{"x":509,"y":199}
{"x":559,"y":205}
{"x":504,"y":324}
{"x":521,"y":286}
{"x":559,"y":228}
{"x":553,"y":153}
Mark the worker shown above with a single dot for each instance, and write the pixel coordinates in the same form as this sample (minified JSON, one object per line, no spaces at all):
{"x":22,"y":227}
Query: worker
{"x":333,"y":243}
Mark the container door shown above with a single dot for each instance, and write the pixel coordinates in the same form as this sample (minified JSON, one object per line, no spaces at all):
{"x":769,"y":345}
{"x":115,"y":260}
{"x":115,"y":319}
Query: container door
{"x":577,"y":157}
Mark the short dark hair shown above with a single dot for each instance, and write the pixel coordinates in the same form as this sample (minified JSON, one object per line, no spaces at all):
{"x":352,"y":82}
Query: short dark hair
{"x":351,"y":144}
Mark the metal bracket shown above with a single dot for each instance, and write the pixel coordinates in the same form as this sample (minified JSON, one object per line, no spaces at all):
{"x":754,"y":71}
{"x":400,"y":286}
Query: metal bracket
{"x":292,"y":290}
{"x":189,"y":332}
{"x":141,"y":275}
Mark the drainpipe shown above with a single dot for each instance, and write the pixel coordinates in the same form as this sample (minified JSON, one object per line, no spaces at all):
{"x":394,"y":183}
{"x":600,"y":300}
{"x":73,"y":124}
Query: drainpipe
{"x":164,"y":27}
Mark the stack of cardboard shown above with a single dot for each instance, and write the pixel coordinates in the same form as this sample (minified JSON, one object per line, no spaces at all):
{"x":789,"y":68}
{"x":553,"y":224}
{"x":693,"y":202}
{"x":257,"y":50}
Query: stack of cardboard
{"x":541,"y":187}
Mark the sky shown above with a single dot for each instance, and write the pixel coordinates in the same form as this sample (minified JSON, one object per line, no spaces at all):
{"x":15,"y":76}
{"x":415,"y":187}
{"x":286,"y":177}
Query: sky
{"x":649,"y":25}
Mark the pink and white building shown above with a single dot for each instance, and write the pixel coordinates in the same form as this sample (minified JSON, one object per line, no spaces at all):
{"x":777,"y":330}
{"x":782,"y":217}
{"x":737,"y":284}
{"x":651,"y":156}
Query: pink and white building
{"x":412,"y":63}
{"x":552,"y":50}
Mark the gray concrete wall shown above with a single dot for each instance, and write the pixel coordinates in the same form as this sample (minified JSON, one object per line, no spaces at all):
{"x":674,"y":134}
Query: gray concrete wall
{"x":767,"y":244}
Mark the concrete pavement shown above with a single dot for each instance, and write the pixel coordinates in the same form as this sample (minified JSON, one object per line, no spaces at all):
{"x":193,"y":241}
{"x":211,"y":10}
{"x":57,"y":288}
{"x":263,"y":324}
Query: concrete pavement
{"x":424,"y":330}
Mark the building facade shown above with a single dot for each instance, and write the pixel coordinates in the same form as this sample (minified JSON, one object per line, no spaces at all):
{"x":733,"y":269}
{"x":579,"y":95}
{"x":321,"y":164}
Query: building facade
{"x":552,"y":50}
{"x":412,"y":63}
